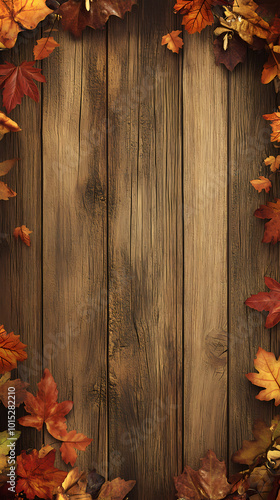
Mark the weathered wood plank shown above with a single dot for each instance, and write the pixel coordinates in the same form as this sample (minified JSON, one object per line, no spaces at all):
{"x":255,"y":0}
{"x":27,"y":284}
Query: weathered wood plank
{"x":75,"y":234}
{"x":205,"y":250}
{"x":249,"y":259}
{"x":20,"y":270}
{"x":145,"y":252}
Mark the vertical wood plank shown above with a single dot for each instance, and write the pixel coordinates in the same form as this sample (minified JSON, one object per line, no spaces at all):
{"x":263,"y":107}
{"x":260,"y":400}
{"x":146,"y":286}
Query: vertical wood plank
{"x":205,"y":253}
{"x":145,"y":251}
{"x":20,"y":270}
{"x":249,"y":259}
{"x":74,"y":234}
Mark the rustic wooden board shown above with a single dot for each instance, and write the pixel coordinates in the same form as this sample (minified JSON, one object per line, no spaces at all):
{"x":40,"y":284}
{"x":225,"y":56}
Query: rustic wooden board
{"x":205,"y":124}
{"x":74,"y":234}
{"x":20,"y":270}
{"x":145,"y":252}
{"x":249,"y":259}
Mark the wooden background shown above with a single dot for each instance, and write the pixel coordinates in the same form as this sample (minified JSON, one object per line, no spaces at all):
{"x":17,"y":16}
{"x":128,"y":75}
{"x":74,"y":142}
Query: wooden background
{"x":134,"y":176}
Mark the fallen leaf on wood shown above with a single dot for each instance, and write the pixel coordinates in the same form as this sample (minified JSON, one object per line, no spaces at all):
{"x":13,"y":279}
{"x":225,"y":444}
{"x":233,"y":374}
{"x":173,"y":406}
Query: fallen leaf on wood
{"x":19,"y":392}
{"x":273,"y":162}
{"x":71,"y":441}
{"x":261,"y":183}
{"x":74,"y":486}
{"x":6,"y":192}
{"x":17,"y":81}
{"x":251,"y":450}
{"x":45,"y":408}
{"x":173,"y":41}
{"x":261,"y":481}
{"x":235,"y":53}
{"x":23,"y":233}
{"x":44,"y":47}
{"x":269,"y":376}
{"x":6,"y":166}
{"x":94,"y":483}
{"x":116,"y":489}
{"x":272,"y":228}
{"x":267,"y":301}
{"x":271,"y":68}
{"x":197,"y":14}
{"x":11,"y":351}
{"x":7,"y":125}
{"x":275,"y":125}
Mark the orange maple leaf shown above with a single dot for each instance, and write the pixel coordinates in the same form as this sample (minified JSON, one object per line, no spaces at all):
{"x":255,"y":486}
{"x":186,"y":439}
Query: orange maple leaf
{"x":45,"y":408}
{"x":271,"y":68}
{"x":44,"y":47}
{"x":173,"y":41}
{"x":23,"y":233}
{"x":197,"y":14}
{"x":6,"y":192}
{"x":272,"y":228}
{"x":116,"y":489}
{"x":275,"y":125}
{"x":269,"y":376}
{"x":11,"y":350}
{"x":72,"y":440}
{"x":36,"y":474}
{"x":15,"y":15}
{"x":7,"y":125}
{"x":273,"y":163}
{"x":261,"y":183}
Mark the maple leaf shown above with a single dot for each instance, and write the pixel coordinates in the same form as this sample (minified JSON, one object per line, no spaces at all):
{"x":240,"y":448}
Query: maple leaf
{"x":18,"y":14}
{"x":19,"y":389}
{"x":209,"y":482}
{"x":267,"y":301}
{"x":272,"y":228}
{"x":271,"y":68}
{"x":75,"y":16}
{"x":197,"y":14}
{"x":7,"y":125}
{"x":173,"y":41}
{"x":251,"y":450}
{"x":37,"y":476}
{"x":45,"y":408}
{"x":261,"y":183}
{"x":71,"y":440}
{"x":275,"y":125}
{"x":23,"y":233}
{"x":6,"y":192}
{"x":17,"y":81}
{"x":44,"y":47}
{"x":234,"y":54}
{"x":116,"y":489}
{"x":269,"y":376}
{"x":11,"y":351}
{"x":273,"y":162}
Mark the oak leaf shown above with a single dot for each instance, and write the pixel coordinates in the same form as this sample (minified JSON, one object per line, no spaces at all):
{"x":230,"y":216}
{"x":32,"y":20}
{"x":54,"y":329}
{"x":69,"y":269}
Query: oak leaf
{"x":17,"y":81}
{"x":19,"y":392}
{"x":116,"y":489}
{"x":44,"y":47}
{"x":173,"y":41}
{"x":75,"y":16}
{"x":38,"y":476}
{"x":269,"y":376}
{"x":267,"y":301}
{"x":273,"y":163}
{"x":275,"y":125}
{"x":234,"y":54}
{"x":7,"y":125}
{"x":71,"y":441}
{"x":261,"y":183}
{"x":251,"y":450}
{"x":11,"y":351}
{"x":272,"y":228}
{"x":15,"y":15}
{"x":44,"y":408}
{"x":209,"y":482}
{"x":23,"y":233}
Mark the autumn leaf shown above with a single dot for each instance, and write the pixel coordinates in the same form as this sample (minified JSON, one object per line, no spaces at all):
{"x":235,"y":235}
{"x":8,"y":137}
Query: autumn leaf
{"x":11,"y":351}
{"x":94,"y":483}
{"x":173,"y":41}
{"x":38,"y":476}
{"x":243,"y":19}
{"x":271,"y":68}
{"x":273,"y":162}
{"x":261,"y":183}
{"x":15,"y":15}
{"x":75,"y":16}
{"x":234,"y":54}
{"x":272,"y":228}
{"x":44,"y":47}
{"x":23,"y":233}
{"x":269,"y":376}
{"x":7,"y":125}
{"x":116,"y":489}
{"x":209,"y":482}
{"x":19,"y":391}
{"x":197,"y":14}
{"x":17,"y":81}
{"x":251,"y":450}
{"x":275,"y":125}
{"x":6,"y":192}
{"x":71,"y":441}
{"x":267,"y":301}
{"x":261,"y":481}
{"x":45,"y":408}
{"x":75,"y":484}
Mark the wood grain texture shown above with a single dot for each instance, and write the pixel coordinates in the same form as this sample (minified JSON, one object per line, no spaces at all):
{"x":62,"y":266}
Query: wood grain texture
{"x":74,"y":234}
{"x":205,"y":251}
{"x":249,"y":259}
{"x":145,"y":252}
{"x":20,"y":270}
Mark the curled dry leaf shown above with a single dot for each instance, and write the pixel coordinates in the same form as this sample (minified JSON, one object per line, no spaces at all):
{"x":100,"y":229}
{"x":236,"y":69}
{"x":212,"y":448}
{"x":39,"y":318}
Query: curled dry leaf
{"x":73,"y":487}
{"x":19,"y":389}
{"x":271,"y":68}
{"x":11,"y":350}
{"x":261,"y":183}
{"x":272,"y":228}
{"x":267,"y":301}
{"x":273,"y":162}
{"x":173,"y":41}
{"x":252,"y":450}
{"x":268,"y":376}
{"x":244,"y":20}
{"x":7,"y":125}
{"x":44,"y":47}
{"x":23,"y":233}
{"x":116,"y":489}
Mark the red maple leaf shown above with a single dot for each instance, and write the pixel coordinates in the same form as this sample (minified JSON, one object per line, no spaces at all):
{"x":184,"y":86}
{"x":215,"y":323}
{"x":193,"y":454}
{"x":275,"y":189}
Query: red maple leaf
{"x":17,"y":81}
{"x":267,"y":301}
{"x":272,"y":228}
{"x":45,"y":408}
